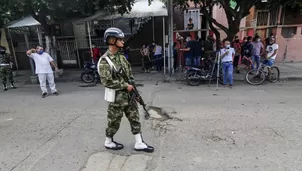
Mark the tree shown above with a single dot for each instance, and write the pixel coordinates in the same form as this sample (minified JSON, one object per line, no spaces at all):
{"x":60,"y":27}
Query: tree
{"x":46,"y":12}
{"x":235,"y":11}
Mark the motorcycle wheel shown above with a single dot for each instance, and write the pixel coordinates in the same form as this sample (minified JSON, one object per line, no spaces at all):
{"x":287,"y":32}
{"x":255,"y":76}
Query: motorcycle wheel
{"x":87,"y":77}
{"x":190,"y":78}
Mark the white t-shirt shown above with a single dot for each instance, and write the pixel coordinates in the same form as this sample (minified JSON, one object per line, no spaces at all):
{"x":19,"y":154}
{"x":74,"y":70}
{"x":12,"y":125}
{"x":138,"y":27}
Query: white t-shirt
{"x":271,"y":49}
{"x":229,"y":56}
{"x":158,"y":50}
{"x":42,"y":63}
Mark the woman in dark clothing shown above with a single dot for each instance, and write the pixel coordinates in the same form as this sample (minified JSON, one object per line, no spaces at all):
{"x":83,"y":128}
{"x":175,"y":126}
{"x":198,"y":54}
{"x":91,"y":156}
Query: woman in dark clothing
{"x":237,"y":48}
{"x":175,"y":54}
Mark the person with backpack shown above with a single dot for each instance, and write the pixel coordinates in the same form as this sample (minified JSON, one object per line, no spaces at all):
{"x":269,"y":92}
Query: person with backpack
{"x":246,"y":52}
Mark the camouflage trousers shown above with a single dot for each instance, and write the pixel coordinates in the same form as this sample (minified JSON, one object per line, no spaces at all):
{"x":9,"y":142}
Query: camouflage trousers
{"x":115,"y":114}
{"x":6,"y":73}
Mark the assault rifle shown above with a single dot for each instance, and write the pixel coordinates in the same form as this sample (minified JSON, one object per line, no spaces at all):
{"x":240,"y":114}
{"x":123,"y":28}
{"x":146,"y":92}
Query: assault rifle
{"x":135,"y":96}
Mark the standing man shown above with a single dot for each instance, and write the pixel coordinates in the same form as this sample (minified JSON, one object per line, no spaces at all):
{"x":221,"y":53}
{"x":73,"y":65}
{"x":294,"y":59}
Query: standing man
{"x":227,"y":58}
{"x":158,"y":56}
{"x":271,"y":52}
{"x":43,"y":62}
{"x":117,"y":92}
{"x":257,"y":51}
{"x":197,"y":51}
{"x":146,"y":57}
{"x":5,"y":69}
{"x":188,"y":51}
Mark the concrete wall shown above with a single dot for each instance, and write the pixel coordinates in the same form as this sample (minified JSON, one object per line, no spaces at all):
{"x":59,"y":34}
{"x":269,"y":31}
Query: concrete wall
{"x":293,"y":45}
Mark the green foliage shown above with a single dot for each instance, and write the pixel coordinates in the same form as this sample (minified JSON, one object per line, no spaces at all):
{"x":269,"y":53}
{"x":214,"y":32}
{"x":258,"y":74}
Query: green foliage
{"x":235,"y":11}
{"x":46,"y":11}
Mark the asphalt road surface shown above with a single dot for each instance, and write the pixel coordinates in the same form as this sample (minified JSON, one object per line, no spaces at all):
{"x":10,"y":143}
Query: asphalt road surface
{"x":244,"y":128}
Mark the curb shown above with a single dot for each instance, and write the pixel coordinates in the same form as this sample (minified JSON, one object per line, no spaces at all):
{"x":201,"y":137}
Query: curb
{"x":166,"y":79}
{"x":169,"y":79}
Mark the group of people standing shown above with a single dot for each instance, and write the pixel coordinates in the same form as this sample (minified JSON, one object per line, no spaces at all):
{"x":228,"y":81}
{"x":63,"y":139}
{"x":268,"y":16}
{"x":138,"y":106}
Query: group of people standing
{"x":252,"y":49}
{"x":152,"y":57}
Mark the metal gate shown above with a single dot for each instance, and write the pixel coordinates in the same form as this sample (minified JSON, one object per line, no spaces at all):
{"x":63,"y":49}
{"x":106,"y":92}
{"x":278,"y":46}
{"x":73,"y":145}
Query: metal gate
{"x":68,"y":51}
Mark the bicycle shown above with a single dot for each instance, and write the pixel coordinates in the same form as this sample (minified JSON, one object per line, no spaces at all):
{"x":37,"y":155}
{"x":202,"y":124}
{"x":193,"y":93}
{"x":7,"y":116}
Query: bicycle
{"x":262,"y":73}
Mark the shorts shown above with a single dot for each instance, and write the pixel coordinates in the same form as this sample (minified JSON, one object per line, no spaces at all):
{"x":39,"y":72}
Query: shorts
{"x":269,"y":62}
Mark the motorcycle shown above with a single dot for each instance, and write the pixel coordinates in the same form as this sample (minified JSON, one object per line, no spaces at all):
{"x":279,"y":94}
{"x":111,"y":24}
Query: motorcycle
{"x":196,"y":75}
{"x":90,"y":73}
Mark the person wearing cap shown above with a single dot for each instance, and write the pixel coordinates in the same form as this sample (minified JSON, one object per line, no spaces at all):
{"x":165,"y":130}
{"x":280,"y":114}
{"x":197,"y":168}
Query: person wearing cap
{"x":5,"y":69}
{"x":117,"y":91}
{"x":43,"y":63}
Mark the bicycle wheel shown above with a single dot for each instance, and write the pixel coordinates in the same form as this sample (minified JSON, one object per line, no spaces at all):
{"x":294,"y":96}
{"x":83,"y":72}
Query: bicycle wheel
{"x":255,"y":77}
{"x":275,"y":74}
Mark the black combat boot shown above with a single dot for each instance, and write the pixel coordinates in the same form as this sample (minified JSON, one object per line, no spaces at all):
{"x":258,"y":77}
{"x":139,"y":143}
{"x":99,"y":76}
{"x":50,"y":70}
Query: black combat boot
{"x":4,"y":87}
{"x":13,"y":85}
{"x":112,"y":145}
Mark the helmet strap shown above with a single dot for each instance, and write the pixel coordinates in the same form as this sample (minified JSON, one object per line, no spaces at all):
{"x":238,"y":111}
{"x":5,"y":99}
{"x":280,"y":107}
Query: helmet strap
{"x":114,"y":44}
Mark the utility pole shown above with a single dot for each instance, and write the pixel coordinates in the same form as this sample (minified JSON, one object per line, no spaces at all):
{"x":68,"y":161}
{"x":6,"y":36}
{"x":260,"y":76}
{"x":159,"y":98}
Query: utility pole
{"x":170,"y":19}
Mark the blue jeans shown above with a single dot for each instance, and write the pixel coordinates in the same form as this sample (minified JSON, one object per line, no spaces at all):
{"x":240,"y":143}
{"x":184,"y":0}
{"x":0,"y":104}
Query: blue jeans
{"x":256,"y":58}
{"x":269,"y":62}
{"x":188,"y":61}
{"x":227,"y":70}
{"x":158,"y":62}
{"x":196,"y":60}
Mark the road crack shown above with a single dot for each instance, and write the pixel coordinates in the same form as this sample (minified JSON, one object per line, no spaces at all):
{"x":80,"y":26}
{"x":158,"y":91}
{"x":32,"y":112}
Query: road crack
{"x":20,"y":162}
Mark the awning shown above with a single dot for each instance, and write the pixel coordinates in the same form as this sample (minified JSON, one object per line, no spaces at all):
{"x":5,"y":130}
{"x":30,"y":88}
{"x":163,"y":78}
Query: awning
{"x":140,"y":9}
{"x":24,"y":22}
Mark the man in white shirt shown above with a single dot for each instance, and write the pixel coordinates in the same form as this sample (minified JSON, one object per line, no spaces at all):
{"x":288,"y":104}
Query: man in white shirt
{"x":44,"y":71}
{"x":272,"y":51}
{"x":227,"y":56}
{"x":158,"y":57}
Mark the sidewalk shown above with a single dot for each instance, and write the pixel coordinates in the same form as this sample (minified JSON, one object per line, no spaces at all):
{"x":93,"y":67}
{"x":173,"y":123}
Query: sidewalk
{"x":288,"y":72}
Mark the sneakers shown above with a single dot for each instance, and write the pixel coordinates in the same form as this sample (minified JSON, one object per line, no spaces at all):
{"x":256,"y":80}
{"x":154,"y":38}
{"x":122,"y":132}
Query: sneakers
{"x":112,"y":145}
{"x":44,"y":95}
{"x":4,"y":87}
{"x":140,"y":145}
{"x":13,"y":85}
{"x":55,"y":93}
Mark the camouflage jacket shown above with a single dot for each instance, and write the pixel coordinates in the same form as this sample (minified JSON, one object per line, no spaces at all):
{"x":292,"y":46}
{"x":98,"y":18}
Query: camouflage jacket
{"x":113,"y":80}
{"x":5,"y":59}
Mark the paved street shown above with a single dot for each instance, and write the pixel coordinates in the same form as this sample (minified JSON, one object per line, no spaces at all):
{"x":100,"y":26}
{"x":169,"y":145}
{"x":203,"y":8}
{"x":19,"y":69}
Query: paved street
{"x":245,"y":128}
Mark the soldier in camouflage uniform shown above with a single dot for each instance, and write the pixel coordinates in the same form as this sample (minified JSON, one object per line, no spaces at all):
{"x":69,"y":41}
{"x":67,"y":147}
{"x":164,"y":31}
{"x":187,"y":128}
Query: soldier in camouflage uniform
{"x":109,"y":68}
{"x":5,"y":69}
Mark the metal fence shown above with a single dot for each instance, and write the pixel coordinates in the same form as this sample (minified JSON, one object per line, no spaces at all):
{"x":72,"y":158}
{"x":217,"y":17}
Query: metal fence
{"x":69,"y":49}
